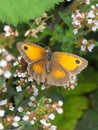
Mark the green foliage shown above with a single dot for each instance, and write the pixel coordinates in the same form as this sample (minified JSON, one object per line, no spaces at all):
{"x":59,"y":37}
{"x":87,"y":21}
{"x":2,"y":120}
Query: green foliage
{"x":90,"y":119}
{"x":14,"y":12}
{"x":55,"y":31}
{"x":73,"y":110}
{"x":1,"y":81}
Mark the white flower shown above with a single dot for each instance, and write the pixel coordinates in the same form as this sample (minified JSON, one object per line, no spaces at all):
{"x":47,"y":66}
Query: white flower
{"x":17,"y":118}
{"x":75,"y":31}
{"x":91,"y":14}
{"x":34,"y":118}
{"x":7,"y":74}
{"x":35,"y":92}
{"x":30,"y":104}
{"x":2,"y":50}
{"x":28,"y":112}
{"x":59,"y":110}
{"x":11,"y":108}
{"x":51,"y":116}
{"x":43,"y":121}
{"x":3,"y":102}
{"x":60,"y":103}
{"x":2,"y":112}
{"x":50,"y":100}
{"x":87,"y":2}
{"x":43,"y":87}
{"x":72,"y":86}
{"x":30,"y":79}
{"x":8,"y":57}
{"x":83,"y":48}
{"x":96,"y":5}
{"x":15,"y":124}
{"x":1,"y":71}
{"x":25,"y":118}
{"x":84,"y":42}
{"x":90,"y":47}
{"x":3,"y":63}
{"x":20,"y":109}
{"x":21,"y":75}
{"x":32,"y":98}
{"x":90,"y":21}
{"x":6,"y":28}
{"x":68,"y":0}
{"x":4,"y":88}
{"x":95,"y":27}
{"x":1,"y":126}
{"x":53,"y":127}
{"x":15,"y":63}
{"x":18,"y":89}
{"x":32,"y":122}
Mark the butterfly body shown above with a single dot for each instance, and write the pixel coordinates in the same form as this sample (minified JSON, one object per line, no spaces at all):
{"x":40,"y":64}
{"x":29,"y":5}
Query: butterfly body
{"x":51,"y":68}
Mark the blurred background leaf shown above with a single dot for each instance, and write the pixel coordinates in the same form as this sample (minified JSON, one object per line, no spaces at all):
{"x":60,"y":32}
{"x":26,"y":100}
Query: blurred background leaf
{"x":15,"y":12}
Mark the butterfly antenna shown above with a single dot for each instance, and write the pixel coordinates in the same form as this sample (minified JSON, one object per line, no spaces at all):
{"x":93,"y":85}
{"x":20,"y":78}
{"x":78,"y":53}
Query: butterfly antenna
{"x":41,"y":44}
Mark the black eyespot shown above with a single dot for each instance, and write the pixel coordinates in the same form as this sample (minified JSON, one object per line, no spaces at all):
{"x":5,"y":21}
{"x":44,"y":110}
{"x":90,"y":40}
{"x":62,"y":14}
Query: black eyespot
{"x":25,"y":48}
{"x":78,"y":61}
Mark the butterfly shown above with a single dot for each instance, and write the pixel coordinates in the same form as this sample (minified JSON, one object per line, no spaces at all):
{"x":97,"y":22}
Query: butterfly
{"x":52,"y":68}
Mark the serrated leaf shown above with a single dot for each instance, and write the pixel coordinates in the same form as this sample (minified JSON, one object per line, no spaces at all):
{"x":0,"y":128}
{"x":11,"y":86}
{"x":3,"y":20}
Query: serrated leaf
{"x":15,"y":12}
{"x":67,"y":18}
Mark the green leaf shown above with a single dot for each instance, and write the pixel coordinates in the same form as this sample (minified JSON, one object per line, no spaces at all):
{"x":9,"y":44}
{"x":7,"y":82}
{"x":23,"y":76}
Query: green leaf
{"x":85,"y":84}
{"x":2,"y":79}
{"x":19,"y":97}
{"x":73,"y":109}
{"x":89,"y":122}
{"x":94,"y":98}
{"x":67,"y":18}
{"x":15,"y":12}
{"x":90,"y":119}
{"x":42,"y":101}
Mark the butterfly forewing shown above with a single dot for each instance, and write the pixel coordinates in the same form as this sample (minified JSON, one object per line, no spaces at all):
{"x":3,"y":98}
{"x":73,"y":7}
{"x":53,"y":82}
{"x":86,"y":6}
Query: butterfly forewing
{"x":31,"y":52}
{"x":70,"y":62}
{"x":55,"y":69}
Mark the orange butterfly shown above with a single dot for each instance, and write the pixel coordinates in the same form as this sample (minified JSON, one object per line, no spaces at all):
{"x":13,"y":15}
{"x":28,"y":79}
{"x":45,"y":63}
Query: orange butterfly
{"x":51,"y":68}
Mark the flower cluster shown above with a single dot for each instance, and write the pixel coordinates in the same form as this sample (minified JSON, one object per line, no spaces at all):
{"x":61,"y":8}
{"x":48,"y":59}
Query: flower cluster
{"x":72,"y":83}
{"x":37,"y":26}
{"x":9,"y":31}
{"x":34,"y":111}
{"x":5,"y":66}
{"x":86,"y":21}
{"x":42,"y":112}
{"x":86,"y":45}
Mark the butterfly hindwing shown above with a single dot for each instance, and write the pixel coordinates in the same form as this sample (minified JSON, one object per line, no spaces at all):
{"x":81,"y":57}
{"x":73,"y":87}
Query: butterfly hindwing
{"x":37,"y":70}
{"x":51,"y":68}
{"x":58,"y":75}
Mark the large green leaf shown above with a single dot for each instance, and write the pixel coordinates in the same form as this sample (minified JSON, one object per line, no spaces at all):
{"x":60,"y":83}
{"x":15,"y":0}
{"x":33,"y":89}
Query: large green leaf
{"x":90,"y":119}
{"x":14,"y":12}
{"x":73,"y":110}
